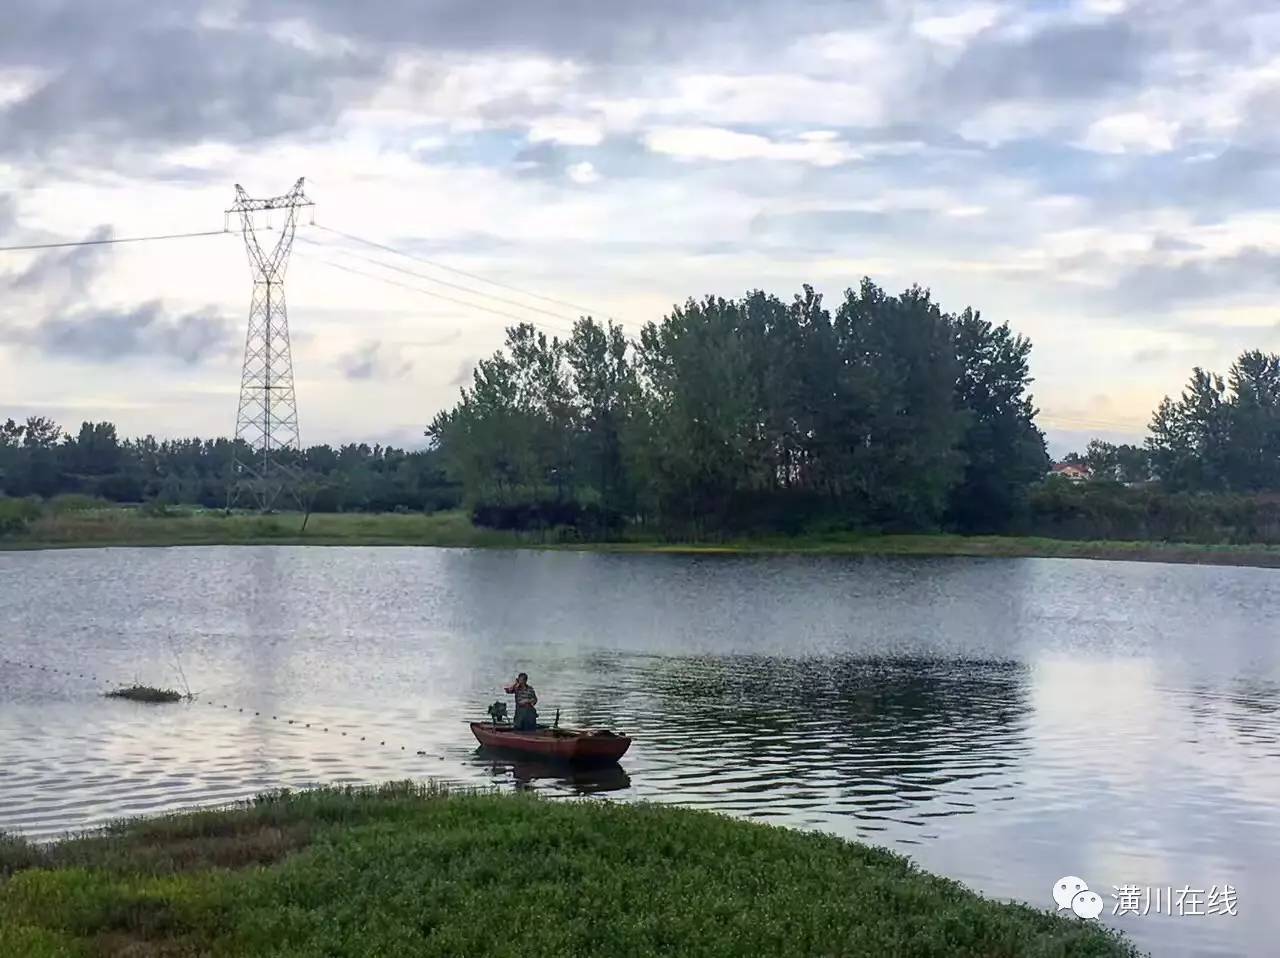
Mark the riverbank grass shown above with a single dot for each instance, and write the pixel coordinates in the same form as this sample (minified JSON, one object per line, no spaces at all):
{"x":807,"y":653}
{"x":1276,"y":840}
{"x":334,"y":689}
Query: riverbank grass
{"x":415,"y":870}
{"x":116,"y":526}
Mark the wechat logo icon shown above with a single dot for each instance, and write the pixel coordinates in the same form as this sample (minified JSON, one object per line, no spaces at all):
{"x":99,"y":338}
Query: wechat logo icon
{"x":1073,"y":893}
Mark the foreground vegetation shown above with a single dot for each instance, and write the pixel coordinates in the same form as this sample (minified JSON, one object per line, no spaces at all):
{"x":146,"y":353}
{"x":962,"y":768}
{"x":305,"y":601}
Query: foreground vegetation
{"x":110,"y":526}
{"x":414,"y":871}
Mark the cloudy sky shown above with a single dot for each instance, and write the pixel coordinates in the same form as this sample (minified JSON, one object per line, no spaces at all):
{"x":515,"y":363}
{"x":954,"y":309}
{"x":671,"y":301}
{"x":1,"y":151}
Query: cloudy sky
{"x":1100,"y":173}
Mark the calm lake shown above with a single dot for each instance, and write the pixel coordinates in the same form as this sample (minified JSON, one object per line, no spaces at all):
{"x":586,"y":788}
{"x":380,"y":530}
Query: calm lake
{"x":1002,"y":722}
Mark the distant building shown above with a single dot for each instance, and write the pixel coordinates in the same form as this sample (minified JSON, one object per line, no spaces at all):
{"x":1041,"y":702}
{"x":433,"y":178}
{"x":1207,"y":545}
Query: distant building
{"x":1071,"y":472}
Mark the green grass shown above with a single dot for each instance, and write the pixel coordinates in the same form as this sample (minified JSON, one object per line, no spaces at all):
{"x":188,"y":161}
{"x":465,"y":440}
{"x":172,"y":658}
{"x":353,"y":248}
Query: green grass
{"x":144,"y":693}
{"x":114,"y":526}
{"x":414,"y":871}
{"x":131,"y":527}
{"x":993,"y":546}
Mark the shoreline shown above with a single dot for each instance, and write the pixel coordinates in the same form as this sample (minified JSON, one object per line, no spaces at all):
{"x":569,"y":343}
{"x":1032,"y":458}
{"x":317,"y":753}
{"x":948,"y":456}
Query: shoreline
{"x":120,"y":528}
{"x":419,"y":868}
{"x":123,"y":528}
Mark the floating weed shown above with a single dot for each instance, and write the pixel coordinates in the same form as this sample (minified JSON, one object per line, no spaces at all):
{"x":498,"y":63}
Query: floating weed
{"x":146,"y":693}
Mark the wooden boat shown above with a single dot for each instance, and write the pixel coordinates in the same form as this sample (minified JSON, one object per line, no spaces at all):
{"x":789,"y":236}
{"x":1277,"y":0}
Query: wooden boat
{"x":558,"y":744}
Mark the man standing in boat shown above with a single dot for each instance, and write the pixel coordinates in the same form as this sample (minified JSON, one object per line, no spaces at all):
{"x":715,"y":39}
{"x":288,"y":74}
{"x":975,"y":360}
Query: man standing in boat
{"x":526,"y":717}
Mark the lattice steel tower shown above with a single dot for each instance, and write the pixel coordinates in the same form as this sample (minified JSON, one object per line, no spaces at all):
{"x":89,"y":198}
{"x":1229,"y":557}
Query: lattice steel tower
{"x":267,"y":420}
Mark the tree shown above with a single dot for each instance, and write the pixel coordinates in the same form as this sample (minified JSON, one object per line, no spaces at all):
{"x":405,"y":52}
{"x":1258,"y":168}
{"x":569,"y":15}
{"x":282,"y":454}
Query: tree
{"x":95,"y":450}
{"x":508,"y":436}
{"x":41,"y":433}
{"x":1221,"y":436}
{"x":1253,"y":458}
{"x":606,"y":392}
{"x":703,"y":411}
{"x":1004,"y":450}
{"x":1116,"y":463}
{"x":897,"y":384}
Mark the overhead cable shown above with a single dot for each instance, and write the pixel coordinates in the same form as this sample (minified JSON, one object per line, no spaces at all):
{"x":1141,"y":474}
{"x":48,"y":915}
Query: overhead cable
{"x":104,"y":242}
{"x":453,"y":269}
{"x":441,"y":282}
{"x":414,"y":289}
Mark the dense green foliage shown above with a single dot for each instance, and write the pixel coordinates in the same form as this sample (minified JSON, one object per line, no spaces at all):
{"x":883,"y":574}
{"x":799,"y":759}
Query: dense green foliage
{"x":415,"y":872}
{"x":38,"y":459}
{"x":1114,"y":463}
{"x":1222,"y":436}
{"x":755,"y":415}
{"x":1110,"y":510}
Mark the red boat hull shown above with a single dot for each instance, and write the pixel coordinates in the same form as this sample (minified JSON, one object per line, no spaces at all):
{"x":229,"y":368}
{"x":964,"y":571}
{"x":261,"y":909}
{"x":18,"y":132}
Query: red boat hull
{"x":558,"y":744}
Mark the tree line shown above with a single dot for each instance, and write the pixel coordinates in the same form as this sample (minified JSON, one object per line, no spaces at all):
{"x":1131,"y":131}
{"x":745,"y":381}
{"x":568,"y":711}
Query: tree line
{"x":37,"y":458}
{"x":754,"y":414}
{"x":1222,"y":435}
{"x":749,"y":415}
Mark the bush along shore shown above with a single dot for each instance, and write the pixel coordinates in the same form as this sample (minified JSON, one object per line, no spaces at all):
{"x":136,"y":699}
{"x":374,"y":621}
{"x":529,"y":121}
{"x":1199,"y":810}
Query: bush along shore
{"x":412,"y":870}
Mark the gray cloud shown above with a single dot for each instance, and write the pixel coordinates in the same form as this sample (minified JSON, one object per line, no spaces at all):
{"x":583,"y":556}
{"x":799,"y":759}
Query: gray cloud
{"x":73,"y":269}
{"x":112,"y":335}
{"x":463,"y":375}
{"x":1153,"y":354}
{"x":372,"y":360}
{"x":542,"y":161}
{"x":133,"y":73}
{"x":1154,"y":285}
{"x":8,"y":213}
{"x":1061,"y":62}
{"x":584,"y":29}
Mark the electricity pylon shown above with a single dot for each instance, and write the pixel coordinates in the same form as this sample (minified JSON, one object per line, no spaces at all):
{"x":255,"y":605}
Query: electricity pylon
{"x":267,"y":420}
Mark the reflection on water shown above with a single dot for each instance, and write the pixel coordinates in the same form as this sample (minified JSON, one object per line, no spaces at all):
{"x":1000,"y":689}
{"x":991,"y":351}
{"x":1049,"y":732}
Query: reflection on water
{"x":527,"y":773}
{"x":1002,"y":722}
{"x":882,"y":742}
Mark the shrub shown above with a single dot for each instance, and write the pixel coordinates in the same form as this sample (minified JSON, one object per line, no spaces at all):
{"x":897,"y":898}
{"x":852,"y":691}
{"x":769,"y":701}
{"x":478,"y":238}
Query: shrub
{"x":17,"y":514}
{"x":69,"y":502}
{"x":591,"y":521}
{"x":1109,"y":510}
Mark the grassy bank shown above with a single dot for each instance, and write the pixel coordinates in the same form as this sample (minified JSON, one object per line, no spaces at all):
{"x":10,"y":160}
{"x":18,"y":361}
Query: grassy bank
{"x":991,"y":546}
{"x":130,"y":527}
{"x":417,"y":872}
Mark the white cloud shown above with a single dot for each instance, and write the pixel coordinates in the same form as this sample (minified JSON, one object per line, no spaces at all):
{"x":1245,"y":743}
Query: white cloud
{"x":207,"y":155}
{"x":715,"y":143}
{"x":1130,"y":133}
{"x":1105,"y":7}
{"x":472,"y":92}
{"x":571,"y":131}
{"x":956,"y":29}
{"x":18,"y":84}
{"x":779,"y":98}
{"x":583,"y":173}
{"x":1004,"y":122}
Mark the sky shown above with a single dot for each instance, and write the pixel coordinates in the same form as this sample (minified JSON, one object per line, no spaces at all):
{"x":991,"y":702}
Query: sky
{"x":1101,"y":174}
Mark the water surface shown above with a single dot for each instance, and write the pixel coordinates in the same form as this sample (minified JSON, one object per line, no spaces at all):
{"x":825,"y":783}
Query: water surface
{"x":1003,"y":722}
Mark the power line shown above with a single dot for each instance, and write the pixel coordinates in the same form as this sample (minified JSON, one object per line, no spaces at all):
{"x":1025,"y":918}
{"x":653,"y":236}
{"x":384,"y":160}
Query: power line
{"x":415,"y":289}
{"x":453,"y":269}
{"x":1051,"y":420}
{"x":441,"y":282}
{"x":103,"y":242}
